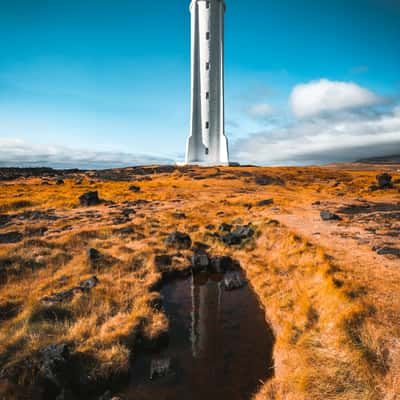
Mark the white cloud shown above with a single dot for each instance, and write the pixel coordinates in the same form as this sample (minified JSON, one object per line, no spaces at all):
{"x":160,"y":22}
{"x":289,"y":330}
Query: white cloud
{"x":15,"y":152}
{"x":261,"y":110}
{"x":317,"y":97}
{"x":346,"y":136}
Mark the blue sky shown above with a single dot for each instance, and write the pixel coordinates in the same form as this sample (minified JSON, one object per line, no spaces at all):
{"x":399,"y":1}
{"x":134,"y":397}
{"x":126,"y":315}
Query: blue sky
{"x":108,"y":81}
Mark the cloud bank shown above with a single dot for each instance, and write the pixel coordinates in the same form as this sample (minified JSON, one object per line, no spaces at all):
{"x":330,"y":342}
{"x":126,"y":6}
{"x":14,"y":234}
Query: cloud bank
{"x":335,"y":122}
{"x":18,"y":153}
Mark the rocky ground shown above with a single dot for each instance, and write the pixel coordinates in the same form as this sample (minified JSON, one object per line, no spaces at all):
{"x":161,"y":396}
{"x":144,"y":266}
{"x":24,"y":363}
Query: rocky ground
{"x":84,"y":253}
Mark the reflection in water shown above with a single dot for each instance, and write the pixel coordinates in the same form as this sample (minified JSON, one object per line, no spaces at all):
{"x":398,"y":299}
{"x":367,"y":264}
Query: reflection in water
{"x":220,"y":345}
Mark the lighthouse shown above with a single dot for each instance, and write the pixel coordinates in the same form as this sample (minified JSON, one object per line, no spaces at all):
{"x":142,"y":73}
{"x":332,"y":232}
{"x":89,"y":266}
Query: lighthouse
{"x":207,"y":143}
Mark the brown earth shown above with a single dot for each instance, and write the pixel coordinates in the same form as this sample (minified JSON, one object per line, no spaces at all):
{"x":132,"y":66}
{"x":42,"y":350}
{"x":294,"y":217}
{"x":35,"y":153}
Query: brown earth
{"x":330,"y":288}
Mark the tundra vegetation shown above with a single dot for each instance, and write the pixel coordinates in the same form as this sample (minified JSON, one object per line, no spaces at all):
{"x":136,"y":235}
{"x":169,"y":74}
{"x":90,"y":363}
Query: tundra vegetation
{"x":82,"y":255}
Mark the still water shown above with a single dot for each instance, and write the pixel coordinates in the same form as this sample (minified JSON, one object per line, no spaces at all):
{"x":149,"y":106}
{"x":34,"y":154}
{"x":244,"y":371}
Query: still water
{"x":220,"y":346}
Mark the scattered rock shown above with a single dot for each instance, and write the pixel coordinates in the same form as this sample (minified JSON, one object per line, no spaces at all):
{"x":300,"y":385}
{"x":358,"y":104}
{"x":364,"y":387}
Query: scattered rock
{"x":316,"y":203}
{"x":134,"y":189}
{"x":160,"y":368}
{"x":128,"y":211}
{"x":328,"y":216}
{"x":384,"y":181}
{"x":10,"y":237}
{"x":201,"y":246}
{"x":179,"y":216}
{"x":124,"y":231}
{"x":244,"y":231}
{"x":59,"y":297}
{"x":163,"y":260}
{"x":89,"y":199}
{"x":179,"y":240}
{"x":96,"y":259}
{"x":233,"y":282}
{"x":265,"y":180}
{"x":387,"y":251}
{"x":240,"y":233}
{"x":266,"y":202}
{"x":59,"y":182}
{"x":225,"y":227}
{"x":231,"y":239}
{"x":210,"y":227}
{"x":4,"y":219}
{"x":220,"y":264}
{"x":88,"y":283}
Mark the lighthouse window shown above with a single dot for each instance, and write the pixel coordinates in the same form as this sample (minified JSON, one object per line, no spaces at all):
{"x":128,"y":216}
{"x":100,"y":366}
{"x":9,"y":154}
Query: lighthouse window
{"x":207,"y":125}
{"x":208,"y":35}
{"x":206,"y":151}
{"x":207,"y":66}
{"x":207,"y":4}
{"x":207,"y":95}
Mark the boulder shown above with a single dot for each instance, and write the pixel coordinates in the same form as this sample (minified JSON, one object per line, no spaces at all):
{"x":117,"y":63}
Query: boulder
{"x":220,"y":264}
{"x":179,"y":240}
{"x":265,"y":180}
{"x":225,"y":227}
{"x":387,"y":251}
{"x":233,"y":282}
{"x":384,"y":181}
{"x":89,"y":199}
{"x":163,"y":260}
{"x":59,"y":182}
{"x":244,"y":231}
{"x":10,"y":237}
{"x":134,"y":189}
{"x":266,"y":202}
{"x":88,"y":283}
{"x":328,"y":216}
{"x":231,"y":239}
{"x":160,"y":368}
{"x":179,"y":215}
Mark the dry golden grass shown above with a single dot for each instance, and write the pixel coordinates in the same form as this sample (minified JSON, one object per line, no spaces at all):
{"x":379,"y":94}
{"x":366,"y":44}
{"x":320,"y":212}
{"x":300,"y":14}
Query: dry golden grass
{"x":337,"y":322}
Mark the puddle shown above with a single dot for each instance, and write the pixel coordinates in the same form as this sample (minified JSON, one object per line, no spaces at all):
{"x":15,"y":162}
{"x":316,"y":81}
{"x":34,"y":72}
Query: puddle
{"x":220,"y":346}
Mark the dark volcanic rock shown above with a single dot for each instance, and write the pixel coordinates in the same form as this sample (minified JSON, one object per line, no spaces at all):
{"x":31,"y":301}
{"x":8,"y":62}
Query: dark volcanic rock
{"x":265,"y":180}
{"x":10,"y":237}
{"x":160,"y":367}
{"x":50,"y":366}
{"x":225,"y":227}
{"x":94,"y":256}
{"x":233,"y":282}
{"x":179,"y":240}
{"x":179,"y":215}
{"x":134,"y":189}
{"x":387,"y":251}
{"x":124,"y":231}
{"x":163,"y":260}
{"x":238,"y":234}
{"x":59,"y":182}
{"x":244,"y":231}
{"x":266,"y":202}
{"x":4,"y":219}
{"x":89,"y":199}
{"x":221,"y":264}
{"x":88,"y":283}
{"x":384,"y":181}
{"x":328,"y":216}
{"x":230,"y":239}
{"x":59,"y":297}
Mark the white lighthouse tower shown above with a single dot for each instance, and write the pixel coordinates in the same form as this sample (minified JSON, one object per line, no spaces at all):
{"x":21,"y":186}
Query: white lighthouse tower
{"x":207,"y":143}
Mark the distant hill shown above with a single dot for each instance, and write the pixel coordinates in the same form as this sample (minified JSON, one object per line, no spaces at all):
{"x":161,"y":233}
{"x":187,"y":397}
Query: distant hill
{"x":394,"y":159}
